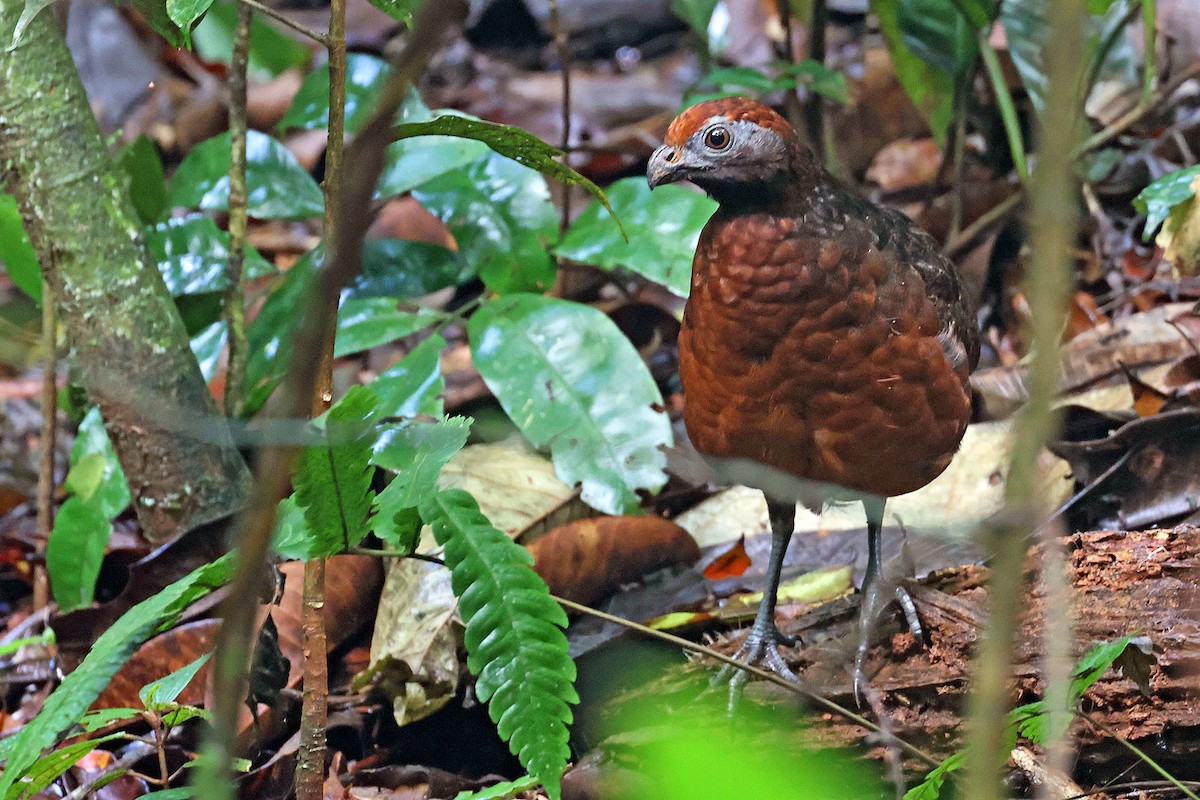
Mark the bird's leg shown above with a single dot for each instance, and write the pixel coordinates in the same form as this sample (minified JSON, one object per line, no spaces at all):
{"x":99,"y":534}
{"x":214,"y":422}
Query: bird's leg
{"x":875,"y":593}
{"x":762,"y":643}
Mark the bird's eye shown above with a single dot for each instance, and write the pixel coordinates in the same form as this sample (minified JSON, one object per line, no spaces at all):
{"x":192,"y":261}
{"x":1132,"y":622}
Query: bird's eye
{"x":718,"y":138}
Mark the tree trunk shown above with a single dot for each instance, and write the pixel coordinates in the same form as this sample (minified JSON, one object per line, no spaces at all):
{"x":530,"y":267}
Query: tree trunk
{"x":128,"y":346}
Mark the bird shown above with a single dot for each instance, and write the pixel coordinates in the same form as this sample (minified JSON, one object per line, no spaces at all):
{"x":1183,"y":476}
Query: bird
{"x":826,"y":342}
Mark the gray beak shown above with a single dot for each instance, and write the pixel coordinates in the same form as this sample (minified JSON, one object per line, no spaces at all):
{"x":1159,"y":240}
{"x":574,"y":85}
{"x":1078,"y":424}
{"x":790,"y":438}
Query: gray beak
{"x":663,"y":167}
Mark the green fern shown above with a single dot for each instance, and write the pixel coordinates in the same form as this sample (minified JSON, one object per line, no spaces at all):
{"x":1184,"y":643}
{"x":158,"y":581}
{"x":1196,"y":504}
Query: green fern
{"x":515,"y":642}
{"x":333,"y":480}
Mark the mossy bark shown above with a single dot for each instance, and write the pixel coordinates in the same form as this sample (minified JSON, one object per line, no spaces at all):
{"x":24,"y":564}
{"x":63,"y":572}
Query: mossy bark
{"x":128,"y":346}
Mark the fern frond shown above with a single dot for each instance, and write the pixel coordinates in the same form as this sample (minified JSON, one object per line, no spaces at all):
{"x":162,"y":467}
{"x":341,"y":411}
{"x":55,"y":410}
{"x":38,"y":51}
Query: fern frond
{"x":514,"y":637}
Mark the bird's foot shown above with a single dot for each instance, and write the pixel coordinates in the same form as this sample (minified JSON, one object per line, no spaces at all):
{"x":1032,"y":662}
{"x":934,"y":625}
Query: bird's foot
{"x":876,"y":598}
{"x":761,"y":649}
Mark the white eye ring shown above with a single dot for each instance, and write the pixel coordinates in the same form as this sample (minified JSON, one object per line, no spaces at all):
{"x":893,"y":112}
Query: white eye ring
{"x":718,"y":137}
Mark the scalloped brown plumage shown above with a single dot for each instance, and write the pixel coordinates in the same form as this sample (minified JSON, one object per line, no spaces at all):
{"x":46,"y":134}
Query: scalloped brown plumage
{"x":824,"y":336}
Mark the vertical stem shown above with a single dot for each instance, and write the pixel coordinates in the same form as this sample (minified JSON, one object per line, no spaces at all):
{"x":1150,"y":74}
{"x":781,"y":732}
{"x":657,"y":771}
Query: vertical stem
{"x":1053,"y":221}
{"x":235,"y":309}
{"x":310,"y":768}
{"x":45,"y":490}
{"x":564,"y":63}
{"x":784,"y":52}
{"x":959,"y":165}
{"x":1056,"y":657}
{"x":814,"y":106}
{"x":1008,"y":109}
{"x":1149,"y":37}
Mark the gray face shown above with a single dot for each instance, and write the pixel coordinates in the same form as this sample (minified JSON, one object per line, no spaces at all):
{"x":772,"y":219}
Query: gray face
{"x":720,"y":154}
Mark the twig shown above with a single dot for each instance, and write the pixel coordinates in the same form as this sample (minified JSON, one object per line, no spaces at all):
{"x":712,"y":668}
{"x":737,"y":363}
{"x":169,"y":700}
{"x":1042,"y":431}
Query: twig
{"x":1137,"y":113}
{"x":235,"y":292}
{"x":814,"y":104}
{"x":45,"y":488}
{"x":1008,"y":109}
{"x":785,"y":53}
{"x":564,"y":64}
{"x":285,"y":20}
{"x":959,"y":243}
{"x":363,"y":163}
{"x":1057,"y":664}
{"x":1150,"y":48}
{"x":1053,"y":222}
{"x":1141,"y":754}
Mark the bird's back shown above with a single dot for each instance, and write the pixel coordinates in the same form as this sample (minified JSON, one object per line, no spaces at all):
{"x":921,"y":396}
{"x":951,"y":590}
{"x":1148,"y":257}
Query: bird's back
{"x":828,"y":338}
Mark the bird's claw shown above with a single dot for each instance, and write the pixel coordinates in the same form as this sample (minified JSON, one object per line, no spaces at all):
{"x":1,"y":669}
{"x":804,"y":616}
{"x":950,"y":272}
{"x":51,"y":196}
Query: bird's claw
{"x":761,"y":648}
{"x":875,"y":599}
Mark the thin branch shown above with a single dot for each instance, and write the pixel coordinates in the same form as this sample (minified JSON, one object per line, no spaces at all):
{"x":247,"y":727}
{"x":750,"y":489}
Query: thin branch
{"x":45,"y":487}
{"x":959,"y":243}
{"x":363,"y":164}
{"x":1137,"y":113}
{"x":285,"y":20}
{"x":1008,"y":109}
{"x":1141,"y":754}
{"x":235,"y":292}
{"x":564,"y":64}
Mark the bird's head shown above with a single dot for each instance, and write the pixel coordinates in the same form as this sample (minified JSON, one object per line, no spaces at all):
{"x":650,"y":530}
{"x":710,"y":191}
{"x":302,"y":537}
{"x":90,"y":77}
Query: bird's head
{"x":731,"y":146}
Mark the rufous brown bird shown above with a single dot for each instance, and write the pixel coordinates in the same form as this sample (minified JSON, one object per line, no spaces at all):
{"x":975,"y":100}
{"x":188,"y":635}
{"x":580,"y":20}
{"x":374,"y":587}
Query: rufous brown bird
{"x":824,"y":337}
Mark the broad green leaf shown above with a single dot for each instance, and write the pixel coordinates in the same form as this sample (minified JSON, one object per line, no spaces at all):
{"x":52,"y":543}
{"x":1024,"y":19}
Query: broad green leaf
{"x":208,"y":345}
{"x":416,"y":451}
{"x":696,"y":13}
{"x":930,"y":88}
{"x":75,"y":551}
{"x":368,"y":322}
{"x":110,"y":493}
{"x":67,"y":704}
{"x":501,"y":216}
{"x":1158,"y":199}
{"x":16,"y":251}
{"x":193,"y":255}
{"x":28,"y":13}
{"x":291,"y":538}
{"x":103,"y":717}
{"x":571,"y":381}
{"x":270,"y":333}
{"x":278,"y":187}
{"x":160,"y":695}
{"x":271,"y":50}
{"x":333,"y":480}
{"x":411,"y":163}
{"x":937,"y":34}
{"x":820,"y":79}
{"x":179,"y":793}
{"x":501,"y":791}
{"x":184,"y":13}
{"x":664,"y":227}
{"x":413,"y":385}
{"x":510,"y":142}
{"x":147,"y":185}
{"x":403,"y":268}
{"x":514,"y":635}
{"x":366,"y":76}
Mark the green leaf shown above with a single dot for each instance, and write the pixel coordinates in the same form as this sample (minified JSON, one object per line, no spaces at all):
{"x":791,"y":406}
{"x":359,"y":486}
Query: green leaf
{"x":368,"y":322}
{"x":270,"y":333}
{"x":291,"y":537}
{"x":271,"y":51}
{"x":501,"y":216}
{"x":500,"y":791}
{"x":664,"y":227}
{"x":75,"y":552}
{"x":50,"y":766}
{"x":399,"y":10}
{"x":366,"y":76}
{"x":109,"y":491}
{"x":208,"y":346}
{"x":1158,"y":199}
{"x":333,"y":481}
{"x":278,"y":187}
{"x":411,"y":163}
{"x":103,"y":717}
{"x":147,"y":185}
{"x":936,"y":33}
{"x":16,"y":251}
{"x":413,"y":385}
{"x":178,"y":793}
{"x":193,"y":255}
{"x":696,"y":13}
{"x":160,"y":695}
{"x":404,"y":268}
{"x":416,"y":451}
{"x":67,"y":704}
{"x":931,"y":787}
{"x":930,"y":88}
{"x":510,"y":142}
{"x":184,"y":13}
{"x":820,"y":79}
{"x":514,"y":635}
{"x":570,"y":380}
